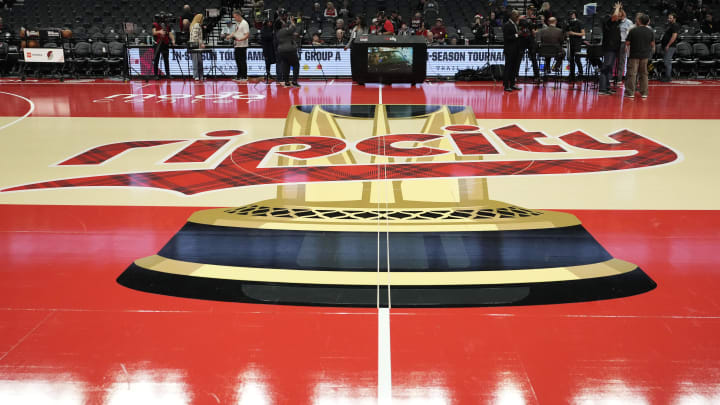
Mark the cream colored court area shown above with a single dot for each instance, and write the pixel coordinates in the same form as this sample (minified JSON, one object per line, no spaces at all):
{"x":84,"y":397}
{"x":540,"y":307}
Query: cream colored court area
{"x":31,"y":149}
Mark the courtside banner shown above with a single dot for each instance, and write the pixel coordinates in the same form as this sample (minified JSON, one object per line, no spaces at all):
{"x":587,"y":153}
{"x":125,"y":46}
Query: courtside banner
{"x":221,"y":62}
{"x":44,"y":55}
{"x":444,"y":62}
{"x":333,"y":62}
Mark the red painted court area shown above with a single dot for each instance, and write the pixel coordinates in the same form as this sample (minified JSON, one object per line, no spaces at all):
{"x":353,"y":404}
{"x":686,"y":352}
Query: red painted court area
{"x":69,"y":334}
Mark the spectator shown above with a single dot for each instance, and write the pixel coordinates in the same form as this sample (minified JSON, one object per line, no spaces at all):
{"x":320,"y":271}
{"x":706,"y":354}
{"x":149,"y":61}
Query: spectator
{"x":345,"y":10}
{"x":429,"y":38}
{"x":340,"y":24}
{"x":416,"y":21}
{"x":545,"y":11}
{"x":481,"y":30}
{"x":439,"y":32}
{"x":386,"y":26}
{"x":640,"y":45}
{"x":396,"y":20}
{"x":494,"y":20}
{"x":708,"y":26}
{"x":316,"y":40}
{"x":421,"y":31}
{"x":339,"y":38}
{"x":404,"y":30}
{"x":317,"y":16}
{"x":330,"y":11}
{"x":374,"y":27}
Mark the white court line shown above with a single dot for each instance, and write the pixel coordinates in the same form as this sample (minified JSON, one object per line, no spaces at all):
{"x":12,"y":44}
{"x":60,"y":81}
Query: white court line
{"x":32,"y":108}
{"x":384,"y":357}
{"x":384,"y":367}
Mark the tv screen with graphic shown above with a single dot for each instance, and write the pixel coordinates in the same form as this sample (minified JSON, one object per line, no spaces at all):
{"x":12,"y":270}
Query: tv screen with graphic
{"x":390,"y":60}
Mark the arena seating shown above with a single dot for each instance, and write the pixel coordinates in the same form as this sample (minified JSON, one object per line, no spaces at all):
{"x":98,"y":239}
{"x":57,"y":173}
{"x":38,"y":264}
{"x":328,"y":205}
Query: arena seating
{"x":105,"y":21}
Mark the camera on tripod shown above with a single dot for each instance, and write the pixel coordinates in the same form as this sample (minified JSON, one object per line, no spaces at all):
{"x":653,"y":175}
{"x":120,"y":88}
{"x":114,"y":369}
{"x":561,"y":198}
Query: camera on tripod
{"x":530,"y":23}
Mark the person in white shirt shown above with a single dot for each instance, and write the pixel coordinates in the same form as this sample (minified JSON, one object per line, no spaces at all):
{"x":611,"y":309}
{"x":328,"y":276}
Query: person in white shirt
{"x":196,"y":40}
{"x":625,"y":25}
{"x":240,"y":36}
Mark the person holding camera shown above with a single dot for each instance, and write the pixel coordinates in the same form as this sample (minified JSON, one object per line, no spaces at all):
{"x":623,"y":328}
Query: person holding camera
{"x":288,"y":53}
{"x":196,"y":41}
{"x":240,"y":36}
{"x":527,"y":25}
{"x":267,"y":39}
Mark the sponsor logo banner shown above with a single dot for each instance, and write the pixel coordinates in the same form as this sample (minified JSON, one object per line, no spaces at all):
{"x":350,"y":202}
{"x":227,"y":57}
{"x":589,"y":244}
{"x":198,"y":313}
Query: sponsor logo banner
{"x":444,"y":61}
{"x":44,"y":55}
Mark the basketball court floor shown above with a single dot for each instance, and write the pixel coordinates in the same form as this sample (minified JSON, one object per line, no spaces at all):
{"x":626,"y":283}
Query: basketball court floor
{"x":242,"y":243}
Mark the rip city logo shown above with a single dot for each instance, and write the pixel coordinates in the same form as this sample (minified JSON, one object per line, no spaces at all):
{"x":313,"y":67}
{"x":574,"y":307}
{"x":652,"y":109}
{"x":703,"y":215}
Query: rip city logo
{"x":219,"y":98}
{"x":450,"y":145}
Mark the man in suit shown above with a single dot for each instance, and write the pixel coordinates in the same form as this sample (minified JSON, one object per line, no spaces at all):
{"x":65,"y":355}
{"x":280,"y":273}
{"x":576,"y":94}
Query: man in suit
{"x":512,"y":50}
{"x":551,"y":40}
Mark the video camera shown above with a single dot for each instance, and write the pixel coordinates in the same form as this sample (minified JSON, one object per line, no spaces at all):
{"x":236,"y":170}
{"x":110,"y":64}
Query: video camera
{"x":530,"y":23}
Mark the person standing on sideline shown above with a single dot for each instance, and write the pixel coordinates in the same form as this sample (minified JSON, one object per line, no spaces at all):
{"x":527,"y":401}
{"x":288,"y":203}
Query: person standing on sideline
{"x":669,"y":45}
{"x":625,"y":25}
{"x":640,"y":45}
{"x":576,"y":32}
{"x":288,"y":53}
{"x":196,"y":41}
{"x":240,"y":36}
{"x":610,"y":46}
{"x":512,"y":49}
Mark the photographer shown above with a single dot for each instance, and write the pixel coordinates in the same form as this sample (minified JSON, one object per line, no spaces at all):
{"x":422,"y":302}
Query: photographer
{"x":288,"y":53}
{"x":527,"y":26}
{"x":163,"y":37}
{"x":280,"y":22}
{"x":267,"y":39}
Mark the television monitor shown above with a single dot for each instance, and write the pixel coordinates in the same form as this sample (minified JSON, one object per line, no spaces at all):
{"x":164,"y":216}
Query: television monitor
{"x":390,"y":60}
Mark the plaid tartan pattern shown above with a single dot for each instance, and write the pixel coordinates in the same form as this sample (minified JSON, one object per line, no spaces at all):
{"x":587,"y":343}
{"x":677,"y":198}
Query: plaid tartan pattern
{"x":382,"y":145}
{"x":104,"y":153}
{"x":473,"y":143}
{"x":519,"y":139}
{"x":241,"y":168}
{"x":198,"y":151}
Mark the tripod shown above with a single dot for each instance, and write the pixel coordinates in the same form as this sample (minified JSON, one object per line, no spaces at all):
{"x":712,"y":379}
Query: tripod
{"x":214,"y":68}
